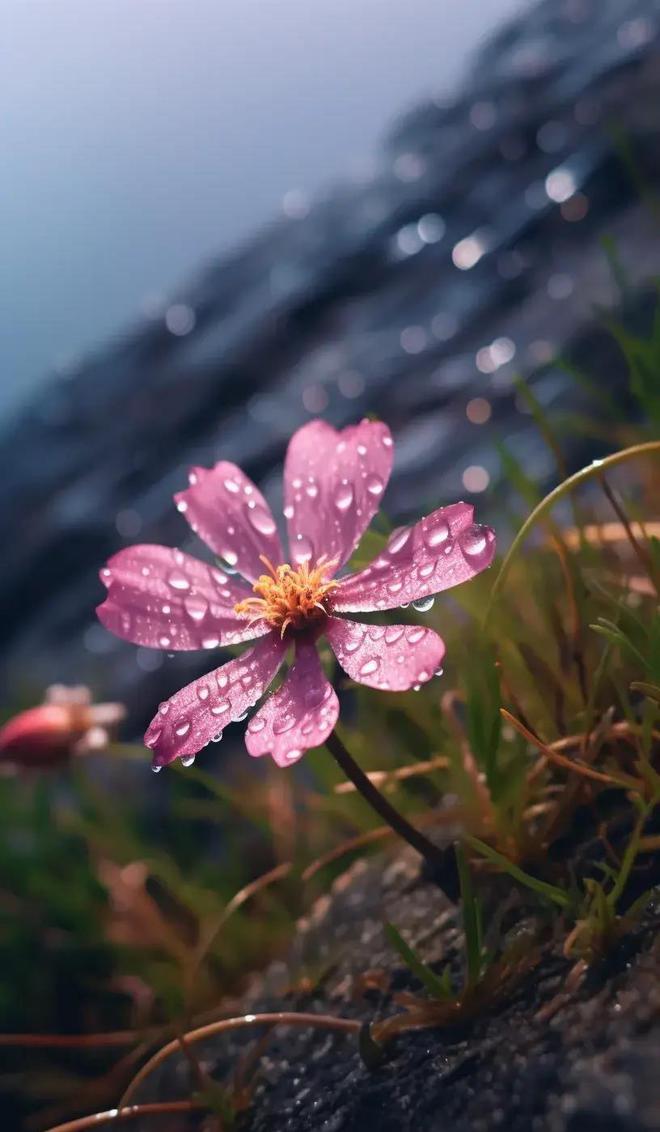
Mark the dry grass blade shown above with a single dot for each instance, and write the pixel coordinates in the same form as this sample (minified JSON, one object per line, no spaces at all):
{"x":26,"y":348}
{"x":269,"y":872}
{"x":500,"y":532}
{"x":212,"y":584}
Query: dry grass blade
{"x":625,"y":782}
{"x":385,"y":777}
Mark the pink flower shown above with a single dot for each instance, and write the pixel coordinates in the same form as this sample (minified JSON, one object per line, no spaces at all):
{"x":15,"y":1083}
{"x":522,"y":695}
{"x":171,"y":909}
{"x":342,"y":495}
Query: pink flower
{"x":333,"y":485}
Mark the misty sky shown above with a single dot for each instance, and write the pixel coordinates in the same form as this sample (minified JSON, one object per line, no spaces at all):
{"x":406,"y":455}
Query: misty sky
{"x":141,"y":137}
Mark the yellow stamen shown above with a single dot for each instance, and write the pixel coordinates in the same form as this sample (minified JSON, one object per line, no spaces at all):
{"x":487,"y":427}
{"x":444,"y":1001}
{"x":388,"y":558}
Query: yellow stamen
{"x":288,"y":596}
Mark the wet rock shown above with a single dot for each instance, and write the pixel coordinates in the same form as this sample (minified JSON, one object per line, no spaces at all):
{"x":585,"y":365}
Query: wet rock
{"x":545,"y":1059}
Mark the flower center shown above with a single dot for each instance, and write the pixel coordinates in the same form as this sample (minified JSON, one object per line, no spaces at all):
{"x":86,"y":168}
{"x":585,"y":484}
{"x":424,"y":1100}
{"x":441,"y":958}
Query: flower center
{"x":288,"y":596}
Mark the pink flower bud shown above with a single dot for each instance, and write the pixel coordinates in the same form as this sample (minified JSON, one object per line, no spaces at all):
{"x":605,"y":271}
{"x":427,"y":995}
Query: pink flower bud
{"x":47,"y":736}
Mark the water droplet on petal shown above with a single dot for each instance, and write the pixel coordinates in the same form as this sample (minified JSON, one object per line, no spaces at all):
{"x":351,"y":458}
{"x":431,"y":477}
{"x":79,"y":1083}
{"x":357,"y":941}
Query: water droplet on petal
{"x":164,"y":642}
{"x":261,"y":520}
{"x":181,"y":506}
{"x":369,"y":666}
{"x":178,"y":582}
{"x":436,"y":535}
{"x":303,"y":550}
{"x":241,"y":717}
{"x":362,"y":449}
{"x":202,"y":692}
{"x":196,"y":607}
{"x":423,"y":676}
{"x":289,"y":511}
{"x":398,"y":540}
{"x":232,"y":486}
{"x":182,"y":729}
{"x":439,"y":672}
{"x":216,"y":738}
{"x":156,"y":769}
{"x":415,"y":634}
{"x":187,"y":760}
{"x":427,"y":569}
{"x":344,"y":496}
{"x":476,"y":542}
{"x":293,"y":755}
{"x":387,"y":442}
{"x":257,"y":723}
{"x":395,"y":586}
{"x":210,"y":642}
{"x":393,"y":633}
{"x":221,"y":707}
{"x":423,"y":604}
{"x":375,"y":485}
{"x":283,"y":724}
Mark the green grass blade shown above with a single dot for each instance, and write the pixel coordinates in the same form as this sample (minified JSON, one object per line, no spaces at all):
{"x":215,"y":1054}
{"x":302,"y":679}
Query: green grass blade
{"x":549,"y":891}
{"x":471,"y":918}
{"x":437,"y":987}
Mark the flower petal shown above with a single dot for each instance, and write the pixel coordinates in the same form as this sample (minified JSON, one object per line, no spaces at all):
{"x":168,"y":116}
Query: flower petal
{"x":199,"y":712}
{"x":161,"y":598}
{"x":440,"y":551}
{"x":393,"y":657}
{"x":225,"y":508}
{"x":298,"y":716}
{"x":333,"y":485}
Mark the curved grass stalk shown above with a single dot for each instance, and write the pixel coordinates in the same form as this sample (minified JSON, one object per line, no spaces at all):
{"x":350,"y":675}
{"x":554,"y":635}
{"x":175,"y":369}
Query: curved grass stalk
{"x":592,"y":471}
{"x":624,"y":782}
{"x":243,"y":1021}
{"x":133,"y":1112}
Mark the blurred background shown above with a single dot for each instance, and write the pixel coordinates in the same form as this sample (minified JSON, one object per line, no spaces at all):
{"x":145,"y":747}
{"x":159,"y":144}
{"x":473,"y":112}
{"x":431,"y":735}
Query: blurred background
{"x":144,"y":139}
{"x":220,"y":220}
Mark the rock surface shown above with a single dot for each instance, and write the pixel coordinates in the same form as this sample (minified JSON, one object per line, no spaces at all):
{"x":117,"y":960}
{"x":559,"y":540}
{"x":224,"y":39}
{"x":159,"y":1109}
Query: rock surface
{"x":471,"y":250}
{"x":546,"y":1059}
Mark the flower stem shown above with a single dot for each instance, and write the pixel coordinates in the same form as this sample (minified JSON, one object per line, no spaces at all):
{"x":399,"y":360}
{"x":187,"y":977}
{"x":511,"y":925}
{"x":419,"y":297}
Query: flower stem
{"x":441,"y":862}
